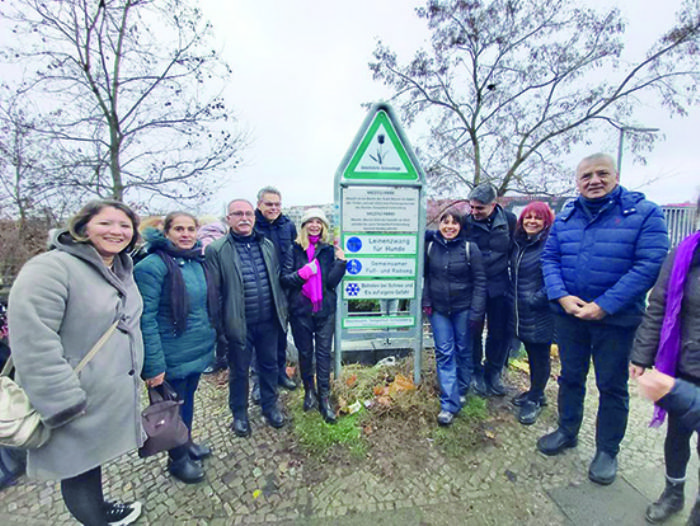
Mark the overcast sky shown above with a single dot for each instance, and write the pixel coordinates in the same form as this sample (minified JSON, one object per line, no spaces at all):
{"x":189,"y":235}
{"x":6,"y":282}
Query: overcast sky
{"x":300,"y":76}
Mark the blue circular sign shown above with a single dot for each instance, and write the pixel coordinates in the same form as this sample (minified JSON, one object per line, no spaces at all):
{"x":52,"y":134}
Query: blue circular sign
{"x":354,"y":244}
{"x":354,"y":266}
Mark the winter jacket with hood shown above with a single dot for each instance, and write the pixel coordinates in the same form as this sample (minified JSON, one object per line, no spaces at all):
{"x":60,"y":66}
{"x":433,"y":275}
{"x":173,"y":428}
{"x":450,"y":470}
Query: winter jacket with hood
{"x":532,"y":318}
{"x":165,"y":351}
{"x":61,"y":303}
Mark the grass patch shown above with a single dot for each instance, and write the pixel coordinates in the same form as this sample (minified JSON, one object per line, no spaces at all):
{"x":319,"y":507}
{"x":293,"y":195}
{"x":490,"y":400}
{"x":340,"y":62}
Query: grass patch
{"x":319,"y":438}
{"x":466,"y":432}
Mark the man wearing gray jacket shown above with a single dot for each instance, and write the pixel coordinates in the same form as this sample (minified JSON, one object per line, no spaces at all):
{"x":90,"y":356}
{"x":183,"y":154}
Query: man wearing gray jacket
{"x":245,"y":268}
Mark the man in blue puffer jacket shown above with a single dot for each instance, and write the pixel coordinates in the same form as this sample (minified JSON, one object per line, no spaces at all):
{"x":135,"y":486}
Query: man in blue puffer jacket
{"x":603,"y":254}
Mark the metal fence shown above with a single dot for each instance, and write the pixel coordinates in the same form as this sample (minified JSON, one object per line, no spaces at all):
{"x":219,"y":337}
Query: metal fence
{"x":680,"y":221}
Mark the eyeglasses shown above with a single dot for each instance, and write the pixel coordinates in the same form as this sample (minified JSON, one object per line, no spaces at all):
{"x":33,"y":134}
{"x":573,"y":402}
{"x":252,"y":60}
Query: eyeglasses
{"x":271,"y":204}
{"x":239,"y":213}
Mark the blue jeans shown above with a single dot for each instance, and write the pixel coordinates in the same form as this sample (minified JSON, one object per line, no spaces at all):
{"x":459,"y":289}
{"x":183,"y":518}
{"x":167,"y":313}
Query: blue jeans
{"x":610,"y":347}
{"x":453,"y":357}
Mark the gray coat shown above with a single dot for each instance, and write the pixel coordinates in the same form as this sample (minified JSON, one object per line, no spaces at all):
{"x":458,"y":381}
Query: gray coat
{"x":224,"y":264}
{"x":646,"y":341}
{"x":60,"y":305}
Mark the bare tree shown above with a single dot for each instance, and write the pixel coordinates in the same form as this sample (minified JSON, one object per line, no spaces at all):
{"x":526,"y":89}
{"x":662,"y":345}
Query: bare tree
{"x":129,"y":93}
{"x":508,"y":87}
{"x":27,"y":188}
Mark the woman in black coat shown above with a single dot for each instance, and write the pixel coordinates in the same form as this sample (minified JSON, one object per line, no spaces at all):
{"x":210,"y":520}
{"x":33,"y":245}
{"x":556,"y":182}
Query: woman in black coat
{"x":534,"y":324}
{"x":311,"y":272}
{"x":454,"y":298}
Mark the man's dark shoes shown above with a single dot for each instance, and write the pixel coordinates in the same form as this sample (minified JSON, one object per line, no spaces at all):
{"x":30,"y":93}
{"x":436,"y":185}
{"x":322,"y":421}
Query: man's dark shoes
{"x":286,"y":382}
{"x":198,"y":451}
{"x":241,"y":426}
{"x":555,"y":442}
{"x":529,"y":412}
{"x":275,"y":418}
{"x":494,"y":384}
{"x":519,"y":399}
{"x":478,"y":385}
{"x":310,"y":400}
{"x":255,"y":393}
{"x":603,"y":468}
{"x":669,"y":503}
{"x":186,"y":470}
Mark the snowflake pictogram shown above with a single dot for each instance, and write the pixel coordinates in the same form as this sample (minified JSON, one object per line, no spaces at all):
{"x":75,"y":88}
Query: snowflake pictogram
{"x":352,"y":289}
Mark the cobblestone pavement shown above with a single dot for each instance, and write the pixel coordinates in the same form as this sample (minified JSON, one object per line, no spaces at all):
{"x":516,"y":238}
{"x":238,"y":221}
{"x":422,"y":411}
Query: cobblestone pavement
{"x":264,"y":479}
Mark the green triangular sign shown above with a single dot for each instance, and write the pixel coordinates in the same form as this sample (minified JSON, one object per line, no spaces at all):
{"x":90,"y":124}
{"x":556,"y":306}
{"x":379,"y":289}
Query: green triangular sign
{"x":380,"y":154}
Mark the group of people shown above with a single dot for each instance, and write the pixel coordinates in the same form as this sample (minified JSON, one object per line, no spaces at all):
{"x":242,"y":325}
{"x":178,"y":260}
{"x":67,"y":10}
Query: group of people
{"x":172,"y":309}
{"x":579,"y":279}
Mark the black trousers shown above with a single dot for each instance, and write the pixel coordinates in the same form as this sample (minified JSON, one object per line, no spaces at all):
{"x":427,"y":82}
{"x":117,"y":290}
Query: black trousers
{"x":677,"y":443}
{"x":540,"y":367}
{"x":314,"y":335}
{"x":83,"y":497}
{"x":609,"y":346}
{"x":263,"y":338}
{"x":498,"y":337}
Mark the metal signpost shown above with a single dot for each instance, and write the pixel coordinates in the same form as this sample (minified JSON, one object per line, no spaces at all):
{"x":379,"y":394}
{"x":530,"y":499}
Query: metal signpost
{"x":380,"y":221}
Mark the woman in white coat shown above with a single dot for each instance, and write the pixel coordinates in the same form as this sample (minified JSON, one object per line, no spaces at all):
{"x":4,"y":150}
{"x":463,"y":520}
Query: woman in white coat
{"x":61,"y":303}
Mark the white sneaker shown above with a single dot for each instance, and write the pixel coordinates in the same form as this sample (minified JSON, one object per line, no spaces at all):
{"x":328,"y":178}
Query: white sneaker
{"x":121,"y":514}
{"x":445,"y":418}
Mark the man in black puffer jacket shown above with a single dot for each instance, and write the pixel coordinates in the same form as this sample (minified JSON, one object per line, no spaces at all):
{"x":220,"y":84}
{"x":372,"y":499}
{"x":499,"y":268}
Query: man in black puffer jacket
{"x":278,"y":228}
{"x":491,"y":228}
{"x":245,"y":267}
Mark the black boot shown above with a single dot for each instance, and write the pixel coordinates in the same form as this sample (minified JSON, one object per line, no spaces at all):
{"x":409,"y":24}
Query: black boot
{"x":325,"y":408}
{"x":670,"y":502}
{"x":494,"y":384}
{"x":186,"y":470}
{"x":310,"y":398}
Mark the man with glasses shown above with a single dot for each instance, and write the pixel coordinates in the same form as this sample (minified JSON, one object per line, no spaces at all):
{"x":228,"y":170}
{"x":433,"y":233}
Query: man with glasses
{"x":245,"y":268}
{"x":278,"y":228}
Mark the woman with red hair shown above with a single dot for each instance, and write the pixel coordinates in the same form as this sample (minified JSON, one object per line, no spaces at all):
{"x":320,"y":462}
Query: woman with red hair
{"x":533,"y":320}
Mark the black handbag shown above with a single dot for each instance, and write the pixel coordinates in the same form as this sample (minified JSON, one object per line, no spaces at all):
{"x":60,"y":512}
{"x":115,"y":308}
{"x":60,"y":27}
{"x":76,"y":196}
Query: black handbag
{"x":162,"y":421}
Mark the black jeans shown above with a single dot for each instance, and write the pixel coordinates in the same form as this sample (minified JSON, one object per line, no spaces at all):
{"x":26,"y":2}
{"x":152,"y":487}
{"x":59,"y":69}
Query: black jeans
{"x":540,"y":367}
{"x":677,"y":443}
{"x":307,"y":331}
{"x":497,"y":338}
{"x":262,"y":337}
{"x":83,"y":497}
{"x":610,"y":347}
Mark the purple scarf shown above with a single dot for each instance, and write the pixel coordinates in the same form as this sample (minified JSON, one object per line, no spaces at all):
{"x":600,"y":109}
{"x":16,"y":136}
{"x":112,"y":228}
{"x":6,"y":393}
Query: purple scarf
{"x":670,"y":340}
{"x":313,"y":288}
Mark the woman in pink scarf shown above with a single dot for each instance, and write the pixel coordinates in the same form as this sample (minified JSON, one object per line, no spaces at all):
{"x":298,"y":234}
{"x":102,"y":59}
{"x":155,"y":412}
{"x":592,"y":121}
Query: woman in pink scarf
{"x":310,"y":274}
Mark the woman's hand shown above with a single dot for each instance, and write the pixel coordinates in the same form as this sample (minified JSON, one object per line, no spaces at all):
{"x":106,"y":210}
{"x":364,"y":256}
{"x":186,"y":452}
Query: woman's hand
{"x":308,"y":270}
{"x":654,"y":384}
{"x":156,"y":380}
{"x":339,"y":253}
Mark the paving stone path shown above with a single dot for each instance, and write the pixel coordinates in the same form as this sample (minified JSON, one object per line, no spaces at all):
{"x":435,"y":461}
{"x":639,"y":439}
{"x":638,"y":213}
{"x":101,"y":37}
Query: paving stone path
{"x":264,"y":480}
